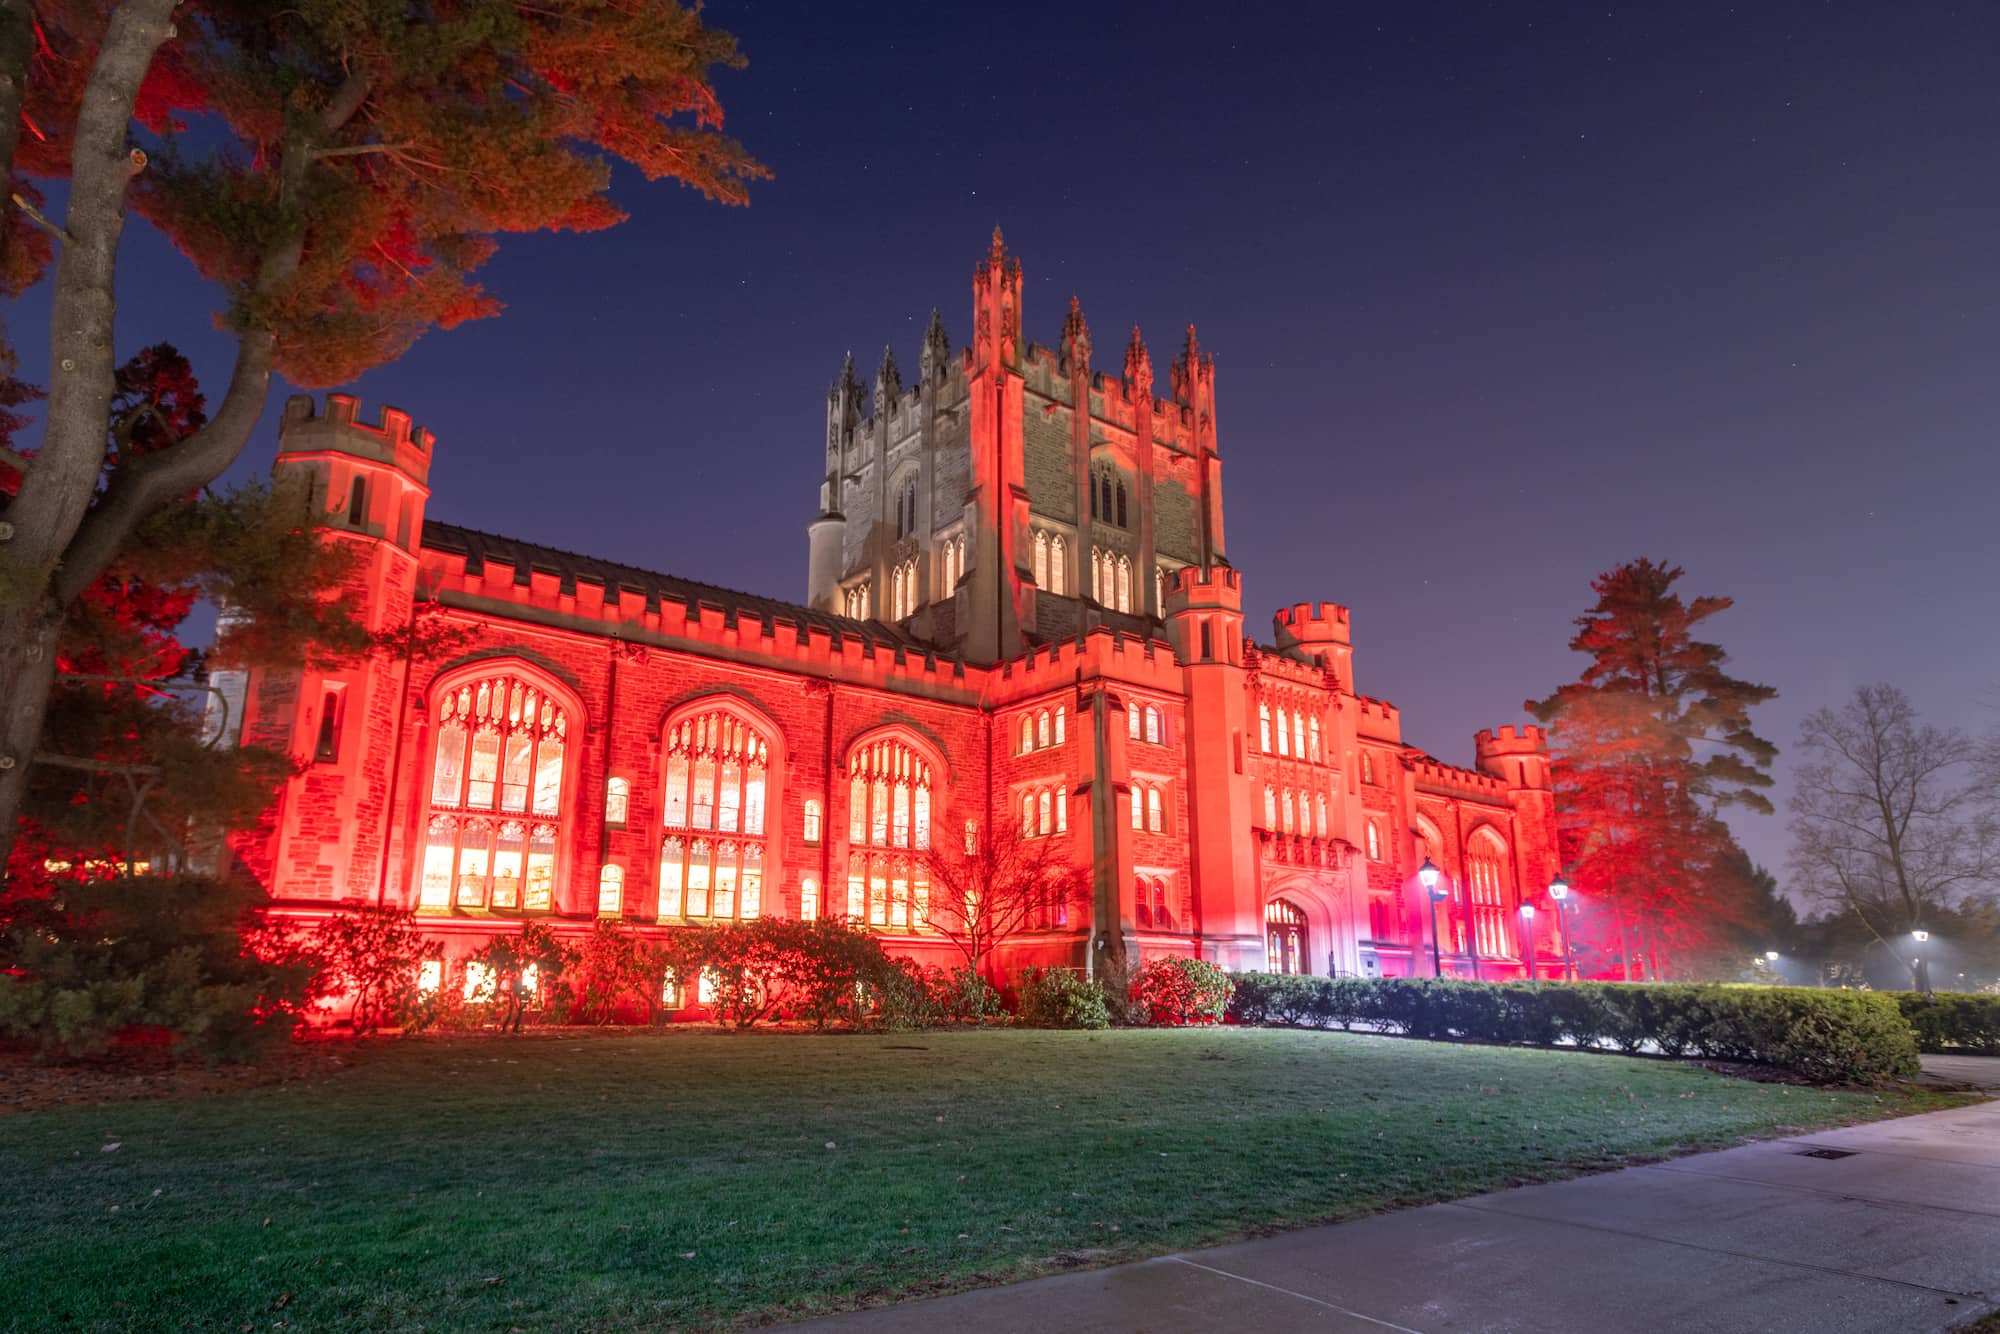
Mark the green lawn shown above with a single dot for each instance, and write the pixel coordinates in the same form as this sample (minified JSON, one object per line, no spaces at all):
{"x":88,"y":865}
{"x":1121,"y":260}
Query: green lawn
{"x":693,"y":1177}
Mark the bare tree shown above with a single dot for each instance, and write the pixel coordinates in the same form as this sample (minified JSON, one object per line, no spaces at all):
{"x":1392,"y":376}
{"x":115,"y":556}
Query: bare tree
{"x":1887,"y":818}
{"x":998,"y":884}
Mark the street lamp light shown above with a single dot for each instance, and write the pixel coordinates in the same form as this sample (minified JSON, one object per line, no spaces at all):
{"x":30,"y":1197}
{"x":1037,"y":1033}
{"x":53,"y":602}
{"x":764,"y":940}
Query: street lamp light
{"x":1528,"y":937}
{"x":1559,"y":891}
{"x":1923,"y":973}
{"x":1427,"y":876}
{"x":1772,"y":955}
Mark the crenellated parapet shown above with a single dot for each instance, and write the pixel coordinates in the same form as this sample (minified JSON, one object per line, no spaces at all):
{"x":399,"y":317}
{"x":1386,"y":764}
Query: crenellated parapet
{"x":1102,"y":653}
{"x":541,"y":585}
{"x":1518,"y":755}
{"x":1435,"y":777}
{"x":305,"y":428}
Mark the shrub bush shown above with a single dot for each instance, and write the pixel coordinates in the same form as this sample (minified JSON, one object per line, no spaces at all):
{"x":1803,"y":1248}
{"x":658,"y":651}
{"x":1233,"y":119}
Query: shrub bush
{"x":1953,"y":1021}
{"x":369,"y":955}
{"x":1176,"y":990}
{"x":1829,"y":1036}
{"x":187,"y":954}
{"x":963,"y":996}
{"x":1059,"y":998}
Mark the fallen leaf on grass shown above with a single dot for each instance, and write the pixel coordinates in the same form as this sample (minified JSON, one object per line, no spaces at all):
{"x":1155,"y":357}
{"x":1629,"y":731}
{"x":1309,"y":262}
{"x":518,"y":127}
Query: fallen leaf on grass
{"x":496,"y":1281}
{"x":113,"y":1147}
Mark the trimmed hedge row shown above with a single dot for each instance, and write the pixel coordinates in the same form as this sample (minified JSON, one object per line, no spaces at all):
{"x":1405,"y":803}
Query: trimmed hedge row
{"x":1953,"y":1021}
{"x":1828,"y":1036}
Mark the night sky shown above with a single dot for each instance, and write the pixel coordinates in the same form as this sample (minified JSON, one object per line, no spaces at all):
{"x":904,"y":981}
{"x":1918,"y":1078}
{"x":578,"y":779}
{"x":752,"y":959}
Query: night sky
{"x":1496,"y":303}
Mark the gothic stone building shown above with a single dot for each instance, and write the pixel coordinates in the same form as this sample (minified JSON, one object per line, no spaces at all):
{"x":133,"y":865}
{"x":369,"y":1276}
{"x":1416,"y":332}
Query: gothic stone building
{"x":1020,"y":608}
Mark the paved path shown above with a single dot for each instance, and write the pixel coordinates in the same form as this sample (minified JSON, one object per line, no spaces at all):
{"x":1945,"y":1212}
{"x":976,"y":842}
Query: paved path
{"x":1979,"y":1072}
{"x":1898,"y":1229}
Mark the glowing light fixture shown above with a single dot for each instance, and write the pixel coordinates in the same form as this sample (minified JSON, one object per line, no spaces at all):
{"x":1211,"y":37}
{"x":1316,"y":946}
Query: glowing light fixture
{"x":1772,"y":955}
{"x":1427,"y":876}
{"x":1558,"y":889}
{"x":1920,"y":936}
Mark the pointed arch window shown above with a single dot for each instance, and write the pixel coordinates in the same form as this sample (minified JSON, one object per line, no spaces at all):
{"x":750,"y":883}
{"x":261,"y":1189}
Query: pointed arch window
{"x":1285,"y":938}
{"x":906,"y":509}
{"x":1312,"y":738}
{"x":1319,"y":816}
{"x":1060,"y":713}
{"x":718,"y":780}
{"x":1486,"y":877}
{"x":1264,"y":727}
{"x":1149,"y":904}
{"x":890,"y":786}
{"x":1155,"y":815}
{"x":1367,"y":766}
{"x":1042,"y":725}
{"x":502,"y":747}
{"x":1374,"y":837}
{"x":1271,"y":808}
{"x":1298,"y":735}
{"x":1284,"y":742}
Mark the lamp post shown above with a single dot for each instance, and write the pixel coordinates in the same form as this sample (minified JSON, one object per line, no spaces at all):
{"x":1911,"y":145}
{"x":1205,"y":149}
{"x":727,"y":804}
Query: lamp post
{"x":1559,"y":891}
{"x":1427,"y":876}
{"x":1923,"y":973}
{"x":1528,"y":938}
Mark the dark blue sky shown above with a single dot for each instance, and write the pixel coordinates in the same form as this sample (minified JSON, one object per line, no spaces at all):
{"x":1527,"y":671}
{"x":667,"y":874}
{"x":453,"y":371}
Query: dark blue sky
{"x":1497,"y":301}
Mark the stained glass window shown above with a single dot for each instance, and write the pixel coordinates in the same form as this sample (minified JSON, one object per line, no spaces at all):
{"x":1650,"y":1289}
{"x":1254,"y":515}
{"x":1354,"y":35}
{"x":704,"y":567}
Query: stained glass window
{"x":501,"y":747}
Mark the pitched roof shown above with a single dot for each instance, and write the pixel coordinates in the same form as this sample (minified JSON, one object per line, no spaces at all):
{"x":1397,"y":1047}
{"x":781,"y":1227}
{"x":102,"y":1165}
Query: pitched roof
{"x":481,"y":549}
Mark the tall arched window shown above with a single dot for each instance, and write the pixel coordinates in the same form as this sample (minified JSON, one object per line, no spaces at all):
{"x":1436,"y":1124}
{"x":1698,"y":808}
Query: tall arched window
{"x":813,"y":822}
{"x":1264,"y":728}
{"x":1486,"y":873}
{"x":1284,"y":738}
{"x":952,"y":555}
{"x":1270,"y":808}
{"x":1042,"y":723}
{"x":906,"y":508}
{"x":617,"y":801}
{"x":1319,"y":816}
{"x":718,"y":769}
{"x":1061,"y":711}
{"x":1154,"y":733}
{"x":1374,"y":837}
{"x":856,"y":602}
{"x":1155,"y":815}
{"x":1124,"y":582}
{"x":1058,"y":581}
{"x":1121,"y":506}
{"x":890,"y":786}
{"x":501,"y":749}
{"x":1285,"y":938}
{"x":1367,"y":766}
{"x":1298,"y":734}
{"x":1312,"y":737}
{"x":1149,"y":904}
{"x":357,"y":503}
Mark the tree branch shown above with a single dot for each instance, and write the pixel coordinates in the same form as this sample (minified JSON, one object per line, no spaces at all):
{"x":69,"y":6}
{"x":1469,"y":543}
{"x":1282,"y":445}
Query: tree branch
{"x":56,"y":493}
{"x":35,"y":216}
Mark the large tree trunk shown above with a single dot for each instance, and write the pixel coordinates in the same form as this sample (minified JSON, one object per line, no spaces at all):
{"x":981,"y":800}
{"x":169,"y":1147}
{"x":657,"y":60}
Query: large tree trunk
{"x":27,"y":674}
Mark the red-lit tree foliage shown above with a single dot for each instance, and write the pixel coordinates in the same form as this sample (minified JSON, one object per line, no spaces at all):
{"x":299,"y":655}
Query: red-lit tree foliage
{"x":1649,"y":744}
{"x":346,"y":169}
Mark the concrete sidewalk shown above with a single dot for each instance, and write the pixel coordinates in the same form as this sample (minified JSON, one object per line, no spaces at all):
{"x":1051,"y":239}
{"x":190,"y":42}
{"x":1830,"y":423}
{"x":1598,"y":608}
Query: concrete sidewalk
{"x":1896,"y":1226}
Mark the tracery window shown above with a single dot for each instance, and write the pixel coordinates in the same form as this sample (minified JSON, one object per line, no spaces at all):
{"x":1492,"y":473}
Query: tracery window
{"x":906,"y":509}
{"x":953,"y":553}
{"x":1285,"y":938}
{"x":1111,"y":579}
{"x":1149,"y":904}
{"x":903,"y":591}
{"x":1264,"y":727}
{"x":717,"y":775}
{"x":1298,"y":735}
{"x":496,"y":797}
{"x":1486,"y":872}
{"x":855,"y":601}
{"x":1367,"y":766}
{"x":889,"y":796}
{"x":1044,"y":811}
{"x":888,"y":891}
{"x":1051,"y":562}
{"x":1312,"y":737}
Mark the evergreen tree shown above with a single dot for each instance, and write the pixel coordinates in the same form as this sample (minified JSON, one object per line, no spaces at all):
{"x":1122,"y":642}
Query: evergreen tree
{"x":341,"y":169}
{"x":1650,"y":744}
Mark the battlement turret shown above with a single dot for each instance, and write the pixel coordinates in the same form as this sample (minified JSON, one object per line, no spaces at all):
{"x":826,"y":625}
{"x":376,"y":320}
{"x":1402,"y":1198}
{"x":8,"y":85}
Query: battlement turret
{"x":1518,"y":756}
{"x":1204,"y":614}
{"x":368,"y":479}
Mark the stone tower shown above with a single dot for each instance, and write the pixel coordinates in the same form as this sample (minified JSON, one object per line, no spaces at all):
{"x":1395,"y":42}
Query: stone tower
{"x":364,"y":486}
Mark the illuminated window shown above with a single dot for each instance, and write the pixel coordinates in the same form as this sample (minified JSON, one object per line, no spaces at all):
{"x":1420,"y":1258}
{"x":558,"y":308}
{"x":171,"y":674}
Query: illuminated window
{"x":1285,"y":806}
{"x":501,"y":747}
{"x":1374,"y":842}
{"x":809,"y":899}
{"x":1027,"y":732}
{"x":430,"y":976}
{"x":1042,"y":723}
{"x":1155,"y":818}
{"x":972,"y":838}
{"x":855,"y":601}
{"x":1134,"y":724}
{"x":903,"y":591}
{"x":1319,"y":816}
{"x":1284,"y":740}
{"x":812,"y":823}
{"x":1298,"y":735}
{"x":610,"y":891}
{"x":1486,"y":877}
{"x":891,"y":787}
{"x":1367,"y":766}
{"x":718,"y":779}
{"x":1153,"y":732}
{"x":617,"y":801}
{"x":1312,"y":738}
{"x":1060,"y":711}
{"x":1041,"y":559}
{"x":1264,"y":727}
{"x":1138,"y":807}
{"x":1270,"y":808}
{"x":480,"y":985}
{"x":1285,"y":938}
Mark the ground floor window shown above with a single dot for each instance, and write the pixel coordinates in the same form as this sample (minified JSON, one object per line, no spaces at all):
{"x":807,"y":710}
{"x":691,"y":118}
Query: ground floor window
{"x":1285,"y":938}
{"x":886,"y":892}
{"x":474,"y":862}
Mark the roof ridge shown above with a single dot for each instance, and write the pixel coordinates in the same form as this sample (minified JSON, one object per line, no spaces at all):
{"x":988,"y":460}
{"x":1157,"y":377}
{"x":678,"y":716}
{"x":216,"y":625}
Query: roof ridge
{"x":660,"y":582}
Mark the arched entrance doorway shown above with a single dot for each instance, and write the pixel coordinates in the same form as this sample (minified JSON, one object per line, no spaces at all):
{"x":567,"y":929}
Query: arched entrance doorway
{"x":1285,"y":938}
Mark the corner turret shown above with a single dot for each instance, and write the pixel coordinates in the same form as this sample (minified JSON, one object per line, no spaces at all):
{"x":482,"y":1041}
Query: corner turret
{"x":1517,"y":756}
{"x":1317,"y":632}
{"x":826,"y":535}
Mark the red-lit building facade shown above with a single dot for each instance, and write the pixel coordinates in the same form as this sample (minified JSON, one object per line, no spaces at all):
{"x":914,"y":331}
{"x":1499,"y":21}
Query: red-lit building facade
{"x":1020,"y":608}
